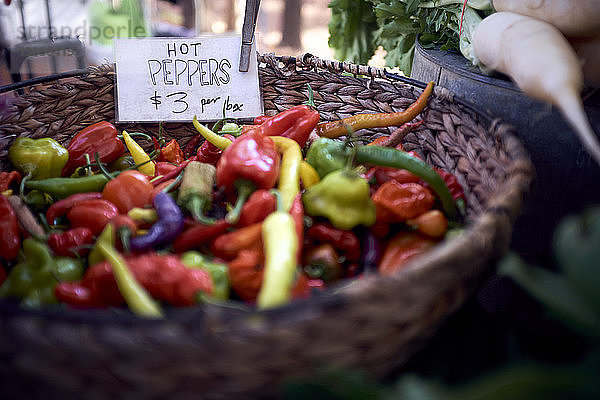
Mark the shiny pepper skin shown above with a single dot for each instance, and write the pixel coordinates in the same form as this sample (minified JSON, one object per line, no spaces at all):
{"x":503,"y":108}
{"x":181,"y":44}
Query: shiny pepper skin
{"x":251,"y":157}
{"x":69,"y":243}
{"x":401,"y":201}
{"x":10,"y":239}
{"x":93,"y":214}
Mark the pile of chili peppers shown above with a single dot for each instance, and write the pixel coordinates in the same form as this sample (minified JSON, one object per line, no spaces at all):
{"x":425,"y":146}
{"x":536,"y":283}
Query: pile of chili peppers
{"x":255,"y":213}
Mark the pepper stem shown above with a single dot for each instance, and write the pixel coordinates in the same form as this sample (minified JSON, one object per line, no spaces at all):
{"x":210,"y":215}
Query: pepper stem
{"x":196,"y":206}
{"x":245,"y":189}
{"x":278,"y":199}
{"x":311,"y":97}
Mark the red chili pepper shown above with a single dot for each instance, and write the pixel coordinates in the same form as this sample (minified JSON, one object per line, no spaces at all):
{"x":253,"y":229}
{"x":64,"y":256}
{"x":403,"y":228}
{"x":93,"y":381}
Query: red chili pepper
{"x":228,"y":245}
{"x":94,"y":214}
{"x":400,"y":249}
{"x":10,"y":240}
{"x":260,"y":204}
{"x":98,"y":138}
{"x":297,"y":213}
{"x":343,"y":240}
{"x":401,"y":201}
{"x":260,"y":119}
{"x":8,"y":178}
{"x":246,"y":273}
{"x":164,"y":277}
{"x":209,"y":153}
{"x":296,"y":123}
{"x":191,"y":145}
{"x":171,"y":174}
{"x":199,"y":235}
{"x":69,"y":243}
{"x":250,"y":162}
{"x":128,"y":190}
{"x":163,"y":167}
{"x":61,"y":207}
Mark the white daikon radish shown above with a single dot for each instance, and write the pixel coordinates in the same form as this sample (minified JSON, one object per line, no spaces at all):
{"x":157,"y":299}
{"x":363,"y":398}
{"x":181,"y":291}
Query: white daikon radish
{"x":588,"y":51}
{"x":574,"y":18}
{"x":541,"y":62}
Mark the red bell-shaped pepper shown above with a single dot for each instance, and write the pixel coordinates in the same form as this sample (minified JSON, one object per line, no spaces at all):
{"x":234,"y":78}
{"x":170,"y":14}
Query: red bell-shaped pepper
{"x":72,"y":242}
{"x":250,"y":162}
{"x":99,"y":138}
{"x":295,"y":123}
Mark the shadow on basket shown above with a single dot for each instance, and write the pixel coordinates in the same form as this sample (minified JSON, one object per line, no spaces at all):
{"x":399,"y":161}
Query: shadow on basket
{"x":327,"y":192}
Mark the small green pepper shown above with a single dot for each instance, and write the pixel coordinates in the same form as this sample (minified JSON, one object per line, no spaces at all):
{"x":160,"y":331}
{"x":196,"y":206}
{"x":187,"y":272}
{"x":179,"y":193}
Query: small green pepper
{"x":343,"y":197}
{"x":328,"y":155}
{"x":38,"y":158}
{"x":33,"y":279}
{"x":217,"y":271}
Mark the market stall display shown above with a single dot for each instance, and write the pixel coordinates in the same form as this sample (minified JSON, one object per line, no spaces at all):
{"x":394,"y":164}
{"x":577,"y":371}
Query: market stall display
{"x":255,"y":348}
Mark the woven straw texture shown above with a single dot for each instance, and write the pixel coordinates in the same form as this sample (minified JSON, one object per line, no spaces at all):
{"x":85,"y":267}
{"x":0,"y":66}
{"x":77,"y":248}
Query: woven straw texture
{"x":373,"y":324}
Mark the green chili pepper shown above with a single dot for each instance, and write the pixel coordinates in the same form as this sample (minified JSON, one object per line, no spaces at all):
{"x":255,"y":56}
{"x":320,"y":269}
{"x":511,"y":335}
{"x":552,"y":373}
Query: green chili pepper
{"x":33,"y":279}
{"x":64,"y":187}
{"x":218,"y":272}
{"x":343,"y":197}
{"x":328,"y":155}
{"x":196,"y":190}
{"x":38,"y":158}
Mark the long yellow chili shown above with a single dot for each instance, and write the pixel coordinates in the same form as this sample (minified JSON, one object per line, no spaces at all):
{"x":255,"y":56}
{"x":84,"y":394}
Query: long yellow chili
{"x":139,"y":155}
{"x":136,"y":297}
{"x":289,"y":171}
{"x":280,"y":244}
{"x":218,"y":140}
{"x":334,"y":129}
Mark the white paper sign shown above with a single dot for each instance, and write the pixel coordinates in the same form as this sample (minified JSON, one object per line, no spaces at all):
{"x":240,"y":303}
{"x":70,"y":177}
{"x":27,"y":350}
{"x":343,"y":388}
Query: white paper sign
{"x":175,"y":79}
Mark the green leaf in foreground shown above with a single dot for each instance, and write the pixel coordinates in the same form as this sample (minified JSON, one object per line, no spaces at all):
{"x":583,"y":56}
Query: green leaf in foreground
{"x":555,"y":292}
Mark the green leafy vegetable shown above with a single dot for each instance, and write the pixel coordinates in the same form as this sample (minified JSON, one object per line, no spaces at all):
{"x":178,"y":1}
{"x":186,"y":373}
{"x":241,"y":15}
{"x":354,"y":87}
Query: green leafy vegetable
{"x":397,"y":25}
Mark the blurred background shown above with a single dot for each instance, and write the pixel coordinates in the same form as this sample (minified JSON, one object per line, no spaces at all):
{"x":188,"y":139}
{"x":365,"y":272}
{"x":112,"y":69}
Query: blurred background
{"x":66,"y":34}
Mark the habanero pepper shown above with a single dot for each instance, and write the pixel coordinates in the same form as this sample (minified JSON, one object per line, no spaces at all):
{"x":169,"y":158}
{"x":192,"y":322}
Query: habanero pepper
{"x":228,"y":245}
{"x":7,"y":179}
{"x":402,"y":248}
{"x":209,"y":153}
{"x":61,"y":207}
{"x":250,"y":162}
{"x":10,"y":239}
{"x":334,"y":129}
{"x":397,"y":202}
{"x":128,"y":190}
{"x":93,"y":214}
{"x":246,"y":273}
{"x":171,"y":152}
{"x":432,"y":223}
{"x":71,"y":243}
{"x":100,"y":138}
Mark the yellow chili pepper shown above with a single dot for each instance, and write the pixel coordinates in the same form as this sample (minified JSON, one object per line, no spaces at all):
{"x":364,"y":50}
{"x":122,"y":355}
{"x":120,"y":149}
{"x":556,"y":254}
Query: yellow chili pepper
{"x":280,"y":244}
{"x":139,"y":155}
{"x":218,"y":140}
{"x":289,"y":171}
{"x":147,"y":215}
{"x":136,"y":297}
{"x":107,"y":236}
{"x":308,"y":175}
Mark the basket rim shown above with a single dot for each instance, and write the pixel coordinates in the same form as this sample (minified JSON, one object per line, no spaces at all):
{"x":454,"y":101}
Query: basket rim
{"x":330,"y":298}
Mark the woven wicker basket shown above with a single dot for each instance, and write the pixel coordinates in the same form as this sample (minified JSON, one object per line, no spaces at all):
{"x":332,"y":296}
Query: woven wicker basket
{"x":212,"y":352}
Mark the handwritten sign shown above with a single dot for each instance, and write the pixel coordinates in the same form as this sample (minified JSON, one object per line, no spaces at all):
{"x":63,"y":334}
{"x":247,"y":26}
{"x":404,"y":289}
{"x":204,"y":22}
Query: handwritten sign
{"x":175,"y":79}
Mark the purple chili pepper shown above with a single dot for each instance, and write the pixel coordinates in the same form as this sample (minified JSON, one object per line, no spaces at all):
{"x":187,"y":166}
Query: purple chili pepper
{"x":165,"y":230}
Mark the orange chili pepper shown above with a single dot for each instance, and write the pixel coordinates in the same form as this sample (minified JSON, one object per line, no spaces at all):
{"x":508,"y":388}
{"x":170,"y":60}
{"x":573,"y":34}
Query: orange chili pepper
{"x":402,"y":201}
{"x":228,"y":245}
{"x":403,"y":247}
{"x":334,"y":129}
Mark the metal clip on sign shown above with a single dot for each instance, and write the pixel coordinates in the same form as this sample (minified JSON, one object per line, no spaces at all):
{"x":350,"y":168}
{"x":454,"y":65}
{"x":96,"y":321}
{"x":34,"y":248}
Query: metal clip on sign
{"x":248,"y":33}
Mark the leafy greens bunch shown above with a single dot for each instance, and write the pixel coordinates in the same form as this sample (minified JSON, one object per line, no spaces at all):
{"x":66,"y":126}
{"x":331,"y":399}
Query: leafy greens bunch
{"x":358,"y":27}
